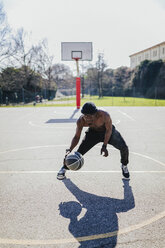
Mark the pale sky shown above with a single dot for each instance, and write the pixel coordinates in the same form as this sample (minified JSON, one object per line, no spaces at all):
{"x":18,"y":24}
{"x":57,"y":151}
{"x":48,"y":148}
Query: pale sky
{"x":118,"y":28}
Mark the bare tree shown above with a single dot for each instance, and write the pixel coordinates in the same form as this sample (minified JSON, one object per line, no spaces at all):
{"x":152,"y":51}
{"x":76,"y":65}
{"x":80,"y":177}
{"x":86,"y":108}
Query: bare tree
{"x":91,"y":80}
{"x":100,"y":64}
{"x":5,"y":38}
{"x":61,"y":74}
{"x":43,"y":61}
{"x":22,"y":49}
{"x":35,"y":57}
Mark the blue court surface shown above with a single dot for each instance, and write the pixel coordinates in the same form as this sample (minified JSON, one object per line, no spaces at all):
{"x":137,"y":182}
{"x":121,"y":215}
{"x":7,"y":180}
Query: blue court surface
{"x":93,"y":207}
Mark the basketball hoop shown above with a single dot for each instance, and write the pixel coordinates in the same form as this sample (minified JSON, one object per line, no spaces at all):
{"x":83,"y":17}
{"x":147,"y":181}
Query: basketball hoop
{"x":76,"y":55}
{"x":76,"y":51}
{"x":76,"y":59}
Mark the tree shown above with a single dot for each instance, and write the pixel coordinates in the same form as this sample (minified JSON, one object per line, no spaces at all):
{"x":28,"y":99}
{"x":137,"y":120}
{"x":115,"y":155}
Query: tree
{"x":5,"y":39}
{"x":91,"y":81}
{"x":15,"y":88}
{"x":42,"y":60}
{"x":100,"y":65}
{"x":43,"y":63}
{"x":13,"y":79}
{"x":145,"y":77}
{"x":23,"y":51}
{"x":63,"y":77}
{"x":35,"y":57}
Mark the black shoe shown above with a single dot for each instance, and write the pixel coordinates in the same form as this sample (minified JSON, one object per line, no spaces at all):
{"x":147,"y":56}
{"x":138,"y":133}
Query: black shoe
{"x":61,"y":174}
{"x":125,"y":171}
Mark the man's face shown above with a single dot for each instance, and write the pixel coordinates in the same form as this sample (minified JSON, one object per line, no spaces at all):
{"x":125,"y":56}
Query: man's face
{"x":89,"y":118}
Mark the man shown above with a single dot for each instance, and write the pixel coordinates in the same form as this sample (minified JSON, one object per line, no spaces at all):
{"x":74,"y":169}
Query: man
{"x":100,"y":130}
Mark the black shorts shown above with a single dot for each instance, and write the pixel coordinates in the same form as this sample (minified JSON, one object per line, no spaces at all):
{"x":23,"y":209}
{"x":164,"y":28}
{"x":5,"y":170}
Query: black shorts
{"x":93,"y":137}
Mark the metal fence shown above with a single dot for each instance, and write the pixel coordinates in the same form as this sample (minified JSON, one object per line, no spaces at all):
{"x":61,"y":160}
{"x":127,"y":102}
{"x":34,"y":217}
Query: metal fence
{"x":152,"y":93}
{"x":24,"y":96}
{"x":123,"y":95}
{"x":132,"y":94}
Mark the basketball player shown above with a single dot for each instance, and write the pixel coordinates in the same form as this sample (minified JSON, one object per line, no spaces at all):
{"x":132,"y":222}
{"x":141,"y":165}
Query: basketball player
{"x":100,"y":130}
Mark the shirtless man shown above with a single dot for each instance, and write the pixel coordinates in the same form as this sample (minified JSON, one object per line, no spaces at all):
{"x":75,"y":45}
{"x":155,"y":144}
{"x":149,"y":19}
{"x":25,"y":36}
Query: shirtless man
{"x":100,"y":130}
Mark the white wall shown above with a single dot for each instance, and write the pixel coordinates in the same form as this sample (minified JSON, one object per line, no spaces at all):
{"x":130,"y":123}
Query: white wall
{"x":153,"y":53}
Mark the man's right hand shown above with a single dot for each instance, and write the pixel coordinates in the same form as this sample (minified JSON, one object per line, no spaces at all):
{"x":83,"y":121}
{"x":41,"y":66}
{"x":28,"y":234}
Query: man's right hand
{"x":67,"y":152}
{"x":104,"y":150}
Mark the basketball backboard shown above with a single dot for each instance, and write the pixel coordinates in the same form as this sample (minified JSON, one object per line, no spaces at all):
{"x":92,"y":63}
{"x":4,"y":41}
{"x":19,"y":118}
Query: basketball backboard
{"x":76,"y":50}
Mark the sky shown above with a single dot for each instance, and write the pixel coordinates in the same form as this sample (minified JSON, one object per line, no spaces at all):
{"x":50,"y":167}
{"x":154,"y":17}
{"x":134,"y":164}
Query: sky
{"x":117,"y":28}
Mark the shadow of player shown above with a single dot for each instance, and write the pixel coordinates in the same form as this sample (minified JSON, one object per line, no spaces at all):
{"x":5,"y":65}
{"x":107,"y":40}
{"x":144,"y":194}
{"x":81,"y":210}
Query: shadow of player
{"x":100,"y":216}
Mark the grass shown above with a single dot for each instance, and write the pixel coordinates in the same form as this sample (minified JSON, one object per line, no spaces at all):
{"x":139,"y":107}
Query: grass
{"x":105,"y":101}
{"x":127,"y":101}
{"x":112,"y":101}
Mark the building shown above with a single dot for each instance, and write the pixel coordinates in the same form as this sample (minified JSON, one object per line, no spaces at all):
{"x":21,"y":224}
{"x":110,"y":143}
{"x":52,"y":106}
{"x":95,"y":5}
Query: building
{"x":153,"y":53}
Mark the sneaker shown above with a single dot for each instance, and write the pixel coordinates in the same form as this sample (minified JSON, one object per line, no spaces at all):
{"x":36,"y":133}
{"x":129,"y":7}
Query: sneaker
{"x":125,"y":171}
{"x":61,"y":173}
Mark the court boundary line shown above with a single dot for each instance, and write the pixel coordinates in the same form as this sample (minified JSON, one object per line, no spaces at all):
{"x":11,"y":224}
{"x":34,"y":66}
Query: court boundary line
{"x":62,"y":145}
{"x":128,"y":116}
{"x":84,"y":238}
{"x":53,"y":172}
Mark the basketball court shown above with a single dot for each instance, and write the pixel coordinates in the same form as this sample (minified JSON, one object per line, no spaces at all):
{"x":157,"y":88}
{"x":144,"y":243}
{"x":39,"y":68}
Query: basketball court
{"x":93,"y":207}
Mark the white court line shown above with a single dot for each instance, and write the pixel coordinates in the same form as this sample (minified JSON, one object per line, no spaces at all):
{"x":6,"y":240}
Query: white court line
{"x":128,"y":116}
{"x":117,"y":122}
{"x":31,"y":148}
{"x":125,"y":230}
{"x":144,"y":156}
{"x":54,"y":172}
{"x":51,"y":146}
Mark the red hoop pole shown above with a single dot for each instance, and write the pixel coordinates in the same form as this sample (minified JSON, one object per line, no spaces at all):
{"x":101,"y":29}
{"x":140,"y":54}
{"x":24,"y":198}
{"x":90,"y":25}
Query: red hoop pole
{"x":78,"y":91}
{"x":78,"y":85}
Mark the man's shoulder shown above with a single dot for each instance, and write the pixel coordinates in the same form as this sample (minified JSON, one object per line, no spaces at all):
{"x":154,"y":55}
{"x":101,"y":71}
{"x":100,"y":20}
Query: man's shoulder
{"x":80,"y":120}
{"x":103,"y":112}
{"x":104,"y":115}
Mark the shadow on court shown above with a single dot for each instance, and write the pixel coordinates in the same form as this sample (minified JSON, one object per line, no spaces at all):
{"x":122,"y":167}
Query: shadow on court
{"x":69,"y":120}
{"x":100,"y":216}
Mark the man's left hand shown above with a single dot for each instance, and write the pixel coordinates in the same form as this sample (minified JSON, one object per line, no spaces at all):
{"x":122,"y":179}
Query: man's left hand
{"x":104,"y":150}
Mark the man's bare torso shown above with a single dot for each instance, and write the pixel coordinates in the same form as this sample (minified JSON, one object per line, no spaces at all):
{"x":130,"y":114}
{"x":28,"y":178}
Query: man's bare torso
{"x":96,"y":122}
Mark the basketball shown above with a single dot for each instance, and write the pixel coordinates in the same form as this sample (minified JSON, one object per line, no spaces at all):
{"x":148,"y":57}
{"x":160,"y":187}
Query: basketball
{"x":74,"y":161}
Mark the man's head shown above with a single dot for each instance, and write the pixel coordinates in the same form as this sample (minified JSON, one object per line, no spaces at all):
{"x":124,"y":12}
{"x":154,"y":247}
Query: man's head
{"x":89,"y":108}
